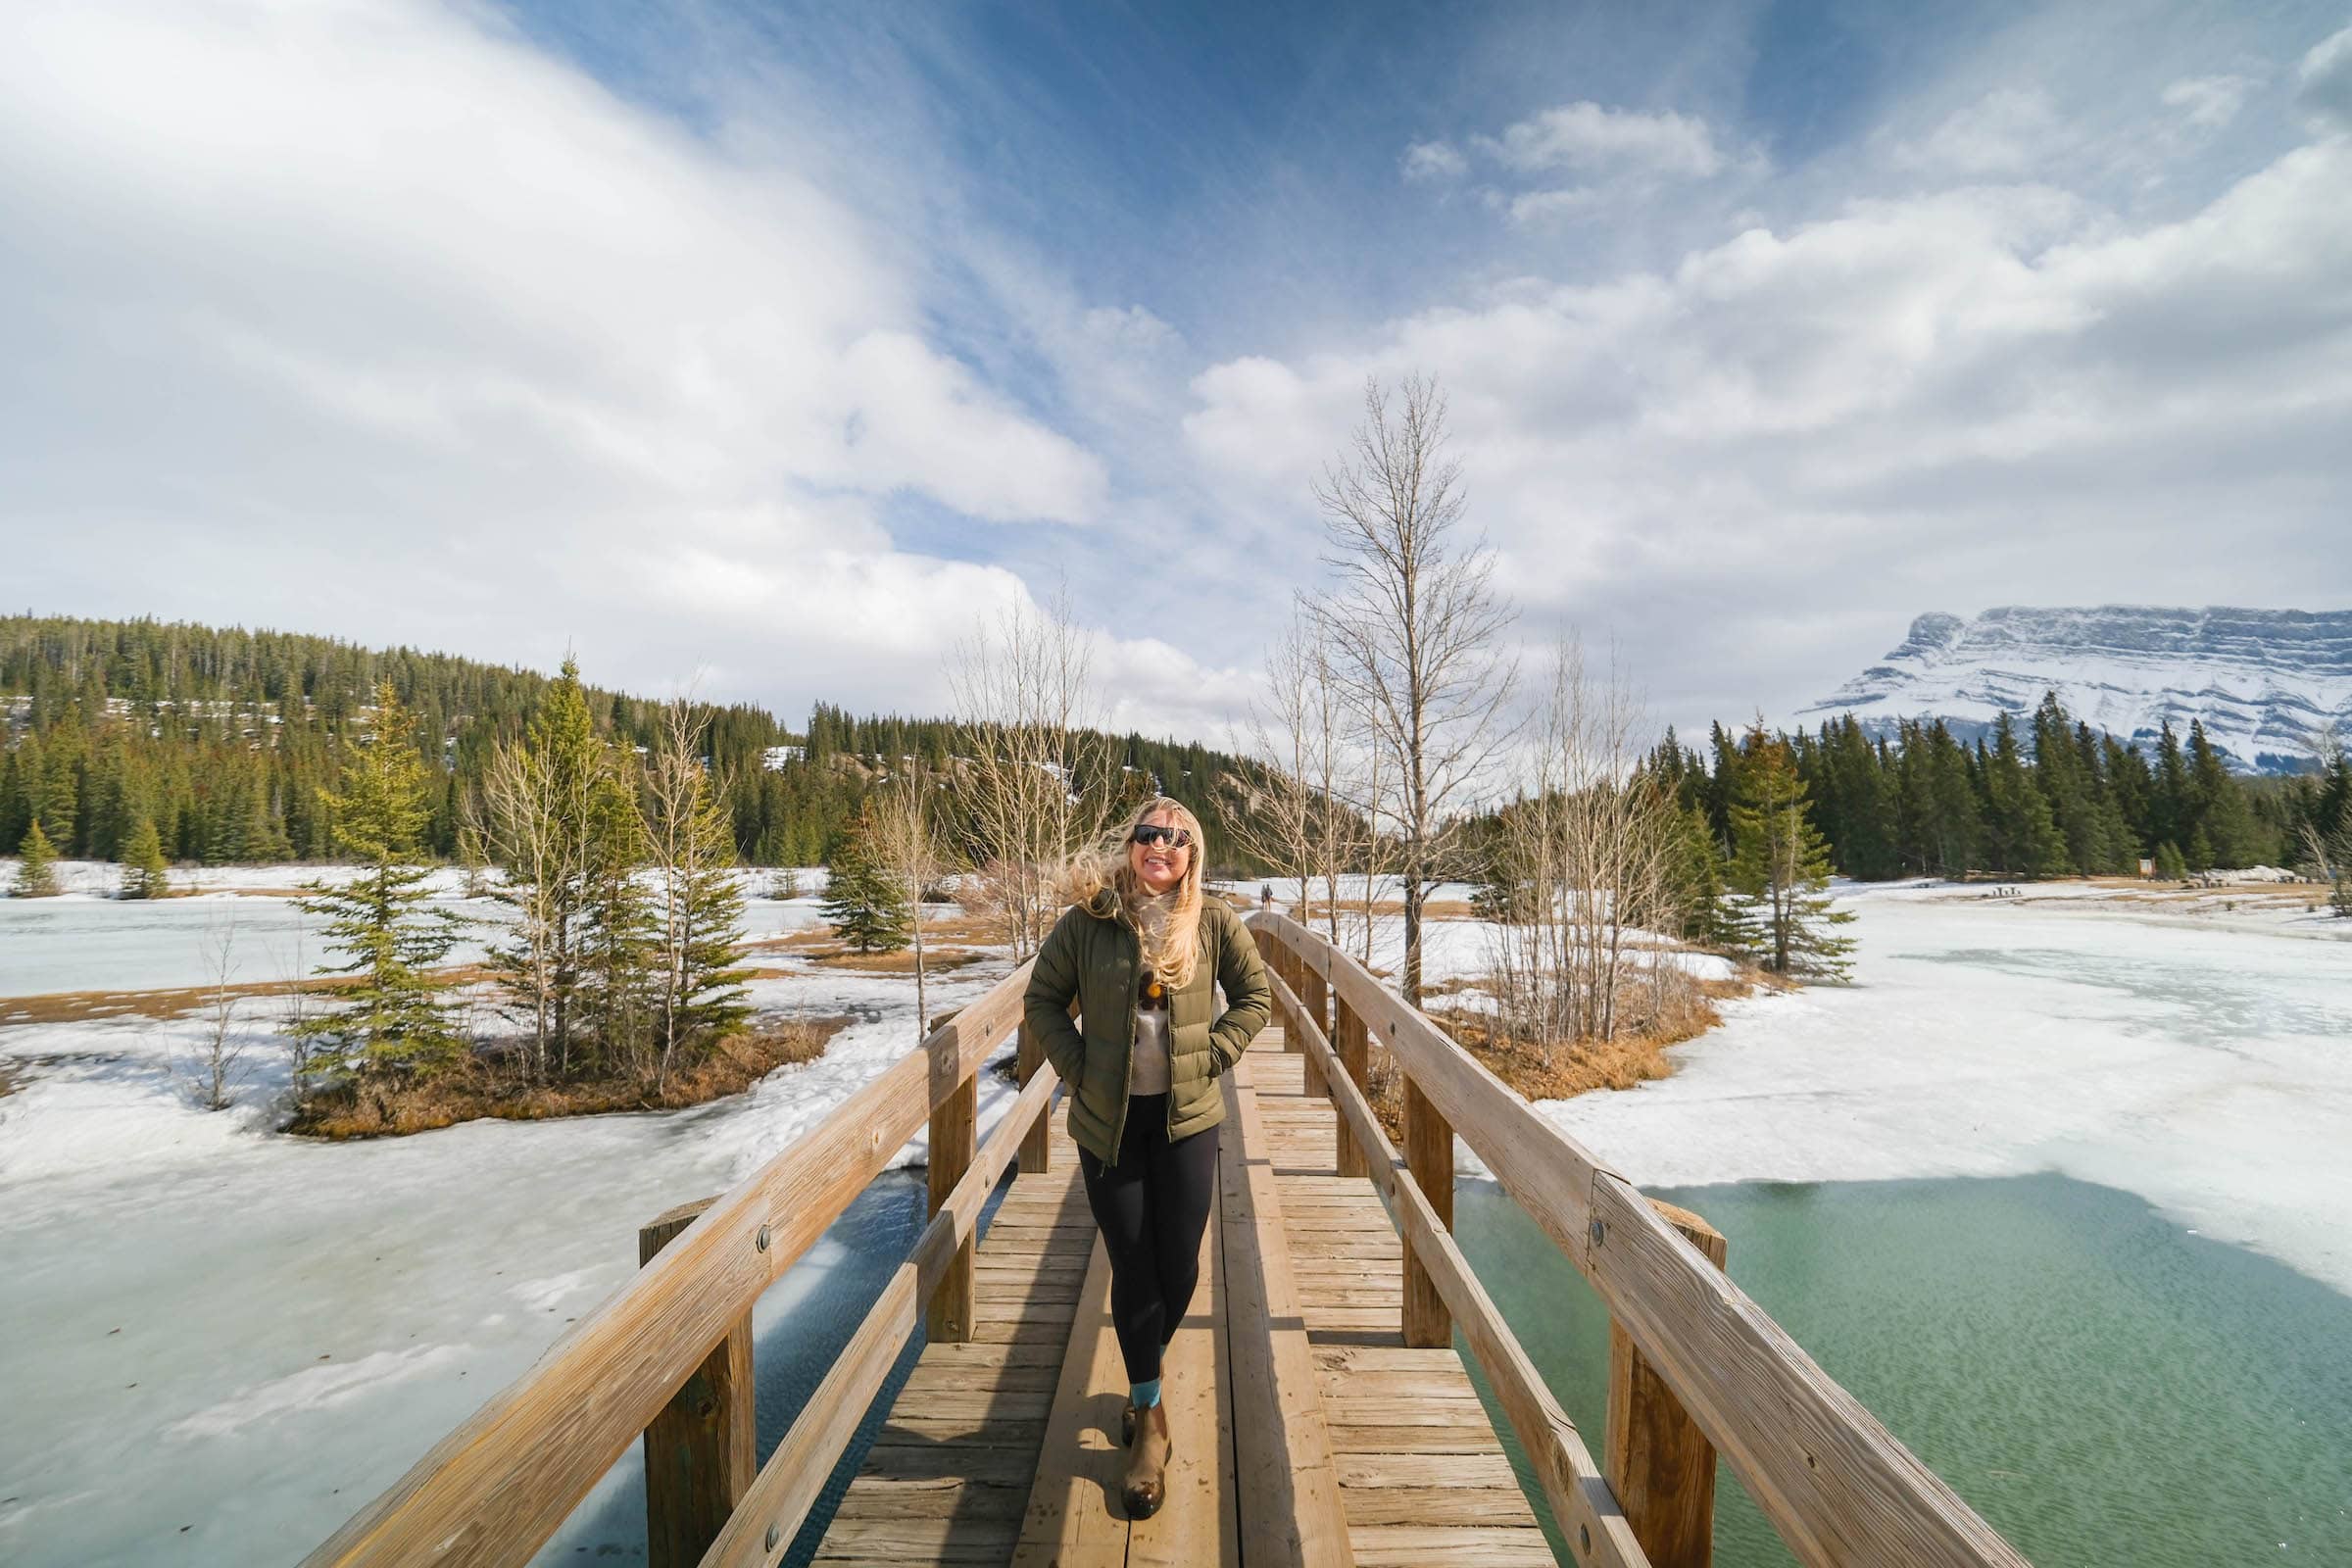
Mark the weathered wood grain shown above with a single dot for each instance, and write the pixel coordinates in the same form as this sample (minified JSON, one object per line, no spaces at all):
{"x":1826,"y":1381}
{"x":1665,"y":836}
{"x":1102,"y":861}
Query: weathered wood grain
{"x":702,"y":1449}
{"x":1655,"y":1458}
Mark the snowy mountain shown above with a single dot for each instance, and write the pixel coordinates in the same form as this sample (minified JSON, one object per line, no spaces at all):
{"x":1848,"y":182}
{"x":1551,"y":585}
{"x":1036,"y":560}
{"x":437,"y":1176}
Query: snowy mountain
{"x":2263,"y":680}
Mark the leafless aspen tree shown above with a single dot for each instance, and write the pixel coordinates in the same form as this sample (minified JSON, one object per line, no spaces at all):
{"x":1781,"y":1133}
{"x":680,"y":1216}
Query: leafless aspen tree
{"x":528,"y":812}
{"x":1583,"y":869}
{"x":1033,"y":776}
{"x":1415,"y":622}
{"x":218,"y":1066}
{"x":1287,"y":806}
{"x":905,"y":843}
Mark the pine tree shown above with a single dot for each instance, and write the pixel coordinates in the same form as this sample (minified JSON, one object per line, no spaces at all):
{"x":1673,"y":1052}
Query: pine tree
{"x":145,"y":875}
{"x":37,"y":869}
{"x":863,"y":907}
{"x":2024,"y":837}
{"x":382,"y":921}
{"x":1781,"y":865}
{"x":699,"y":990}
{"x":616,"y":924}
{"x":2171,"y":864}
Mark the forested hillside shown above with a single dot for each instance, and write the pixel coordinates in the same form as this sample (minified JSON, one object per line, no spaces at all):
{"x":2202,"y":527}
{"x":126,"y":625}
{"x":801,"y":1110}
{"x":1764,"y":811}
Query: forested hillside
{"x":224,"y":736}
{"x":2054,"y":799}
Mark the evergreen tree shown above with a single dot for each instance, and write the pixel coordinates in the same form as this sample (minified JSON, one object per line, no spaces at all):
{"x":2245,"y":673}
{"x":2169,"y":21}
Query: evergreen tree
{"x":1781,"y":865}
{"x":2218,"y":806}
{"x":863,"y":904}
{"x":616,"y":924}
{"x":381,"y":921}
{"x":144,"y":872}
{"x":2026,"y":841}
{"x":699,"y":990}
{"x":2171,"y":864}
{"x":36,"y":867}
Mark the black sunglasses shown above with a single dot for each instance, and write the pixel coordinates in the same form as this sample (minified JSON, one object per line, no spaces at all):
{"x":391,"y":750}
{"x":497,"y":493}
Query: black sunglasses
{"x":1150,"y":833}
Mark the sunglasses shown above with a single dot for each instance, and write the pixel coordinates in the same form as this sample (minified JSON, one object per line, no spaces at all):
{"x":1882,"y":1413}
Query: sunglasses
{"x":1150,"y":833}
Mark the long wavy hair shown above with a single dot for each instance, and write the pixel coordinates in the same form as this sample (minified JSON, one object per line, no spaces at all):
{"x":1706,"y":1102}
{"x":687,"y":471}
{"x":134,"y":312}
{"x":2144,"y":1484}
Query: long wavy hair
{"x":1167,"y":927}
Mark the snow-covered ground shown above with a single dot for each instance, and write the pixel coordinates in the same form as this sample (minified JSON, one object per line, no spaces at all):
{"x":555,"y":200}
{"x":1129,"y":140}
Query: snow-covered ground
{"x":251,"y":1333}
{"x":2202,"y":1060}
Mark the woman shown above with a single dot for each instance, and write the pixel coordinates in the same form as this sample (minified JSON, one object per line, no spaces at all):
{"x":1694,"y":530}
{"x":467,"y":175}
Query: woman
{"x":1138,"y":949}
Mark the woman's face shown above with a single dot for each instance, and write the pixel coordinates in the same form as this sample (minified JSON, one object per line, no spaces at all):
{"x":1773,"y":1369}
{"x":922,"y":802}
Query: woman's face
{"x":1158,"y":867}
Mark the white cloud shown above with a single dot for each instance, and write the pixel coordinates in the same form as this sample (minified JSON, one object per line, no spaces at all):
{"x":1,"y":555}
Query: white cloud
{"x":370,"y":318}
{"x":1434,"y":160}
{"x":2008,"y":131}
{"x":2208,"y":102}
{"x":1536,"y":206}
{"x":2324,"y":81}
{"x":1590,"y":136}
{"x":1976,"y":396}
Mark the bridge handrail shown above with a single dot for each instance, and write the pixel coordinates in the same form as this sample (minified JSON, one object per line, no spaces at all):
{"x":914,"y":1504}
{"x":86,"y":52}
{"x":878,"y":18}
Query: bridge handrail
{"x":495,"y":1488}
{"x":1837,"y":1485}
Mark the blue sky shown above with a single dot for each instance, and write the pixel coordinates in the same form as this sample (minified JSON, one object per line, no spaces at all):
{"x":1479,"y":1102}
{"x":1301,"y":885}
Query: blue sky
{"x":782,"y":343}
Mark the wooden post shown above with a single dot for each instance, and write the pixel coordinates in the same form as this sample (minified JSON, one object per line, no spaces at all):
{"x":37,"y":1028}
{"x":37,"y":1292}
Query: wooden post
{"x":701,"y":1452}
{"x":1036,"y":1155}
{"x":954,"y":1135}
{"x":1658,"y":1463}
{"x":1314,"y":995}
{"x":1349,"y":1044}
{"x":1429,"y":1154}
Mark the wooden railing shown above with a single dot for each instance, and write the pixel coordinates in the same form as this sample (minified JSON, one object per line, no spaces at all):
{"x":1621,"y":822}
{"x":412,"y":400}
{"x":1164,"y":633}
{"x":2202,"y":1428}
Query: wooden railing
{"x":667,"y":1356}
{"x":1699,"y":1368}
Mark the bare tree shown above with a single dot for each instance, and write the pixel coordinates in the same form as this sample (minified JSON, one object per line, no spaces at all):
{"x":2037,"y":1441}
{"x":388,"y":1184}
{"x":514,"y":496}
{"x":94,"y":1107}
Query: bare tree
{"x":904,"y":844}
{"x":1582,"y":868}
{"x":1032,"y":779}
{"x":1415,"y":622}
{"x":217,"y":1065}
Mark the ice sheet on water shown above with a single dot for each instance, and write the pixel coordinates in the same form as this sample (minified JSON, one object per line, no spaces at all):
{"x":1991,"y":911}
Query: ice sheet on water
{"x":2206,"y":1068}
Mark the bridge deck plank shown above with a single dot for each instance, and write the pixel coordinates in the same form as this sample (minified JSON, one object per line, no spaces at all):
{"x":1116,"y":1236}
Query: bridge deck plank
{"x":1399,"y":1434}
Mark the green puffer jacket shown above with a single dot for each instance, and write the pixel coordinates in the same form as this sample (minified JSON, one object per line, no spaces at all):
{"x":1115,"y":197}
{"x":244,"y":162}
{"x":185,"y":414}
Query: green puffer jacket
{"x":1093,"y":957}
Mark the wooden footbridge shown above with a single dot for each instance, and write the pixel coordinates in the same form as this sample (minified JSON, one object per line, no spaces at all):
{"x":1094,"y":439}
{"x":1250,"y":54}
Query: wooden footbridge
{"x":1320,"y":1412}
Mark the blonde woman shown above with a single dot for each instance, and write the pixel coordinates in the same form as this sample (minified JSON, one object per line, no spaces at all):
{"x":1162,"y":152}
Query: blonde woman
{"x":1138,"y":949}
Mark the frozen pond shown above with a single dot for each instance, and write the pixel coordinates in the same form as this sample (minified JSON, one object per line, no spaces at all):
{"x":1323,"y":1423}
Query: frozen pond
{"x":85,"y":941}
{"x":2205,"y":1064}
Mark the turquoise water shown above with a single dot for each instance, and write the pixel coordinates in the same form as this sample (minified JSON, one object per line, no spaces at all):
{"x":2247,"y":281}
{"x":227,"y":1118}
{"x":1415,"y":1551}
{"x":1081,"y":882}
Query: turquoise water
{"x":2101,"y":1384}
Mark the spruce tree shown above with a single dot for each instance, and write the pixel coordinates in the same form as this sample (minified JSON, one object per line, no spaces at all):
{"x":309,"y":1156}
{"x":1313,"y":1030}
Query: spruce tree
{"x":2171,"y":864}
{"x":36,"y":867}
{"x":145,"y":875}
{"x":861,"y":905}
{"x":2025,"y":838}
{"x":382,"y":921}
{"x":698,"y":989}
{"x":616,"y":924}
{"x":1781,"y":865}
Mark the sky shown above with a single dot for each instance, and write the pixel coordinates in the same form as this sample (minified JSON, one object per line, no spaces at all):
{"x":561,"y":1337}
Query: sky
{"x":774,"y":350}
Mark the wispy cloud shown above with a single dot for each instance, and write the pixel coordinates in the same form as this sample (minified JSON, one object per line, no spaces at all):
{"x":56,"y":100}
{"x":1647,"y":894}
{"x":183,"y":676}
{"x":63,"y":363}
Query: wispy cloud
{"x":1591,"y":138}
{"x":2324,"y":82}
{"x":2209,"y":102}
{"x":1434,"y":160}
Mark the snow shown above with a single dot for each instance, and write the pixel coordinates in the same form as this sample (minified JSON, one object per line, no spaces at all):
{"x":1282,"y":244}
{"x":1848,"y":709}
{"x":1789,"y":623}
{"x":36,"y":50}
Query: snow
{"x":2202,"y":1062}
{"x":250,"y":1334}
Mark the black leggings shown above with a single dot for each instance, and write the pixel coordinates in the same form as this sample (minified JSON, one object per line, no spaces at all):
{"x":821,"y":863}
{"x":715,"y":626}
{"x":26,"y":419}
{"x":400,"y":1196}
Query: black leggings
{"x":1151,"y":1206}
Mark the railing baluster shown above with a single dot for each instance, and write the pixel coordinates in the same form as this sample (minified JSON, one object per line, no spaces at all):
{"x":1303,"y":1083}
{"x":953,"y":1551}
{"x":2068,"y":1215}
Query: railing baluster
{"x":1316,"y":996}
{"x":1352,"y":1054}
{"x":955,"y":1134}
{"x":1657,"y":1462}
{"x":702,"y":1451}
{"x":1036,"y":1148}
{"x":1429,"y":1153}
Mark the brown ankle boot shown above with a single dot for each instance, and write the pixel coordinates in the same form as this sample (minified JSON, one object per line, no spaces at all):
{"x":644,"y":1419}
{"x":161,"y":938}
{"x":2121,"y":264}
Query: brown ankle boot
{"x":1146,"y":1485}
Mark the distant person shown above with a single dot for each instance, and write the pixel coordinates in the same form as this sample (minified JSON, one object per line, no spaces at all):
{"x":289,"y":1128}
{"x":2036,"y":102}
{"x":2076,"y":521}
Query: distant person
{"x":1265,"y":895}
{"x":1138,"y":949}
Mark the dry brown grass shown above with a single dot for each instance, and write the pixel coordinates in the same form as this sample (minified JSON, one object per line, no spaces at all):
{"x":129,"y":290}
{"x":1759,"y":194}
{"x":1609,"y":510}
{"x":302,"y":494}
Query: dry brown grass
{"x":490,"y":1084}
{"x":936,"y":961}
{"x":1567,"y":1069}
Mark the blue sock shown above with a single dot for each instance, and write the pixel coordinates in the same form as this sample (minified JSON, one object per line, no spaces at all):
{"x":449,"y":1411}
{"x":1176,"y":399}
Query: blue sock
{"x":1143,"y":1396}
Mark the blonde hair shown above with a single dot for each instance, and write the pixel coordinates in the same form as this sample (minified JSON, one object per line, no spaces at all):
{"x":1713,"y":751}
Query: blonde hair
{"x":1167,"y":928}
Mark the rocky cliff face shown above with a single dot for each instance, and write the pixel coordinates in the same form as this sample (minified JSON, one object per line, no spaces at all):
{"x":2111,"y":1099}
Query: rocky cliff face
{"x":2264,"y":681}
